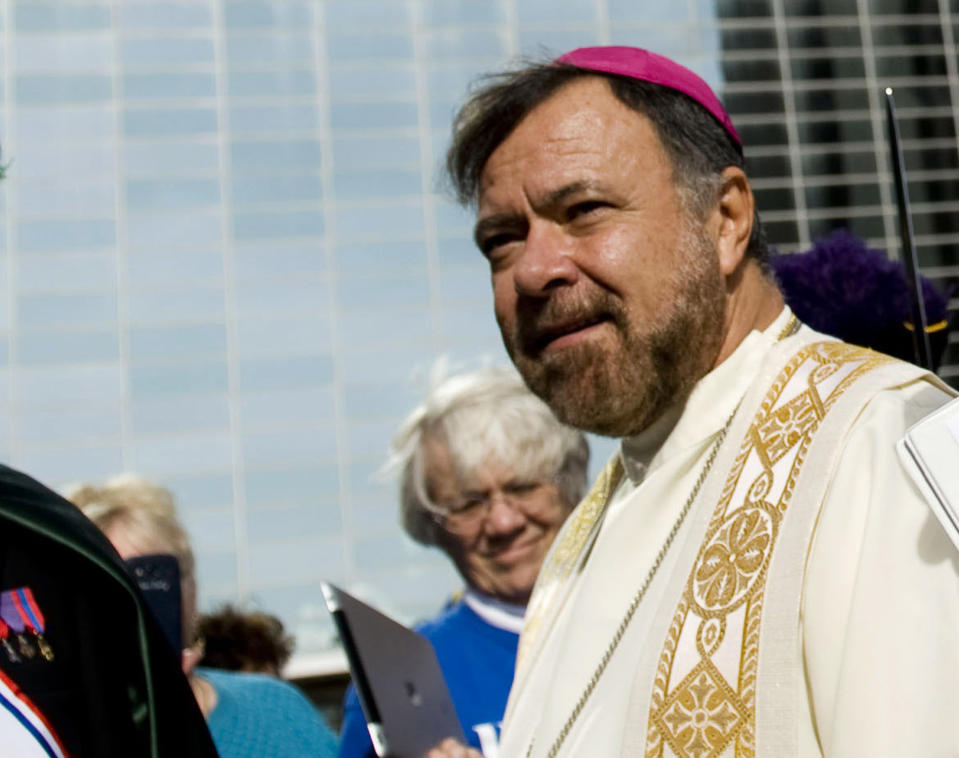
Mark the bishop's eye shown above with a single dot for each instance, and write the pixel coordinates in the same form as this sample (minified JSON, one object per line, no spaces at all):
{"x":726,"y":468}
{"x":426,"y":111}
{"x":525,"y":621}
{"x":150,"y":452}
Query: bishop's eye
{"x":584,"y":208}
{"x":489,"y":245}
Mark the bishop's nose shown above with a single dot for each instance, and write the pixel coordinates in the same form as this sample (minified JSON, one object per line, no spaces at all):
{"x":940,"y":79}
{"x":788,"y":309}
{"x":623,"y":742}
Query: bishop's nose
{"x":545,"y":262}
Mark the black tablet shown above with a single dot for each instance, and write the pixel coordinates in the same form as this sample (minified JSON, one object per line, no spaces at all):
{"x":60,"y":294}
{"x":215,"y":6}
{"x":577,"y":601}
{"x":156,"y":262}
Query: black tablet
{"x":398,"y":680}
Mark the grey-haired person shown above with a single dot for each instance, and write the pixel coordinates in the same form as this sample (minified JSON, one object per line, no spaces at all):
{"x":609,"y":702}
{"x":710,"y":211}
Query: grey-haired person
{"x":754,"y":573}
{"x":488,"y":475}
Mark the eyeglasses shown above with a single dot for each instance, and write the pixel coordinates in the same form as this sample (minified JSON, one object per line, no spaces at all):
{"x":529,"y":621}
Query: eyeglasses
{"x":469,"y":511}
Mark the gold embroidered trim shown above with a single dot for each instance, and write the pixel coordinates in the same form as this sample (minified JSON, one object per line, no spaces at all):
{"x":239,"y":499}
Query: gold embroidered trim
{"x":638,"y":597}
{"x":696,"y":710}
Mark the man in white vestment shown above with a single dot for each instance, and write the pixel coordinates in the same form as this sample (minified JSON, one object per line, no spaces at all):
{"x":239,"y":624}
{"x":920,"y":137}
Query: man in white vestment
{"x":754,"y":573}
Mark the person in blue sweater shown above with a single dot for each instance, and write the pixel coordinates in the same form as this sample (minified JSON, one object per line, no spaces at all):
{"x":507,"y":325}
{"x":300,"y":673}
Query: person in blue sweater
{"x":258,"y":715}
{"x":488,"y":475}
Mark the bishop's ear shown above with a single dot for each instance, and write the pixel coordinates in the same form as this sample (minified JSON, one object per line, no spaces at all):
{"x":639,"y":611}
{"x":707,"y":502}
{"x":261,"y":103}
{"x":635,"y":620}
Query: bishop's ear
{"x":735,"y":210}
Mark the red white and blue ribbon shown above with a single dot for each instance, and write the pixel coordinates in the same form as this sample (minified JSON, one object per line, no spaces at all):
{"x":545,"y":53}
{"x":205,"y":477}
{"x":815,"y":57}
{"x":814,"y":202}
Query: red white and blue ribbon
{"x":29,"y":610}
{"x":20,"y":612}
{"x":24,"y":731}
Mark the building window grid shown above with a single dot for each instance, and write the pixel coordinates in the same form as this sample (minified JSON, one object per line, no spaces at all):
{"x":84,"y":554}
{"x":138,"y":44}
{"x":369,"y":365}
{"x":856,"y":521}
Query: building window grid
{"x":927,"y":108}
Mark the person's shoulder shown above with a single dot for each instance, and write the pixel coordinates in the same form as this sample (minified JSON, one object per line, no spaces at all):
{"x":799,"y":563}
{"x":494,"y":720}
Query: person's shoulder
{"x":906,"y":403}
{"x":457,"y":619}
{"x":248,"y":684}
{"x":891,"y":388}
{"x":272,"y":713}
{"x":452,"y":615}
{"x":458,"y":625}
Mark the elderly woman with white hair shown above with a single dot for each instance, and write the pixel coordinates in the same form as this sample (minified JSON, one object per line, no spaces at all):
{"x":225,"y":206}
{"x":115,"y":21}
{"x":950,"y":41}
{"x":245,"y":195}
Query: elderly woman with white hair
{"x":488,"y":475}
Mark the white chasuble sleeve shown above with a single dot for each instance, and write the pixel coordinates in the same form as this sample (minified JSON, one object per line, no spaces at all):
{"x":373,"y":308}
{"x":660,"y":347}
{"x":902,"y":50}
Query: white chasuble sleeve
{"x":880,"y":606}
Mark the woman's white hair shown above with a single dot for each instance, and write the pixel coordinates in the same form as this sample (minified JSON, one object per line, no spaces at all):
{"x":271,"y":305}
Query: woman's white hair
{"x":483,"y":416}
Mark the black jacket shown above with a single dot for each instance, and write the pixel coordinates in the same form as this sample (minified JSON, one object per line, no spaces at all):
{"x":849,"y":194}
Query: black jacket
{"x":114,"y":687}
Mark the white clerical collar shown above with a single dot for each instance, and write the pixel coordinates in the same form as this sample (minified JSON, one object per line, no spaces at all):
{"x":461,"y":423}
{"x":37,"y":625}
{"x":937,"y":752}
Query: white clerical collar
{"x":706,"y":409}
{"x":498,"y":613}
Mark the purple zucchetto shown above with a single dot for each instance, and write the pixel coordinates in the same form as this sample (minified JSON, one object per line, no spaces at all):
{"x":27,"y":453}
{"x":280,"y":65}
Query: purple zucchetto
{"x":647,"y":66}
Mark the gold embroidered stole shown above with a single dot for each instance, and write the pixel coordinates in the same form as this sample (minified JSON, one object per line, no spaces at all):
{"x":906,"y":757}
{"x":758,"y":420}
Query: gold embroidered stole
{"x":704,"y":687}
{"x":704,"y":694}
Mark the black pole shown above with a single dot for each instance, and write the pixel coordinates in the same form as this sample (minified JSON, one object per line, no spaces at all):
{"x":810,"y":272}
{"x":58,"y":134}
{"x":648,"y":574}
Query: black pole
{"x":920,"y":337}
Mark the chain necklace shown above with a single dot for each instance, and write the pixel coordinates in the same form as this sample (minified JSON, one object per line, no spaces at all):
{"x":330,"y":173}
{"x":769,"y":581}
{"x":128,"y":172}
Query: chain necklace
{"x":791,"y":327}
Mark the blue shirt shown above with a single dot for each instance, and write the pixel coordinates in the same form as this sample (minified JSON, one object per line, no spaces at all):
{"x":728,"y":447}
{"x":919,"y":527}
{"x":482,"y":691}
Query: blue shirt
{"x":477,"y":660}
{"x":259,"y":716}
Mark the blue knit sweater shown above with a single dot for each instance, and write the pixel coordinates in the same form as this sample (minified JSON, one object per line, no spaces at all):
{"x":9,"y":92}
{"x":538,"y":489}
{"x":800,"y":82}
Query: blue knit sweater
{"x":258,"y":716}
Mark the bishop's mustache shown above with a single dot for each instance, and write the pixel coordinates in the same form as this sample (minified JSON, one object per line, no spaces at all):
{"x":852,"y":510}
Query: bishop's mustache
{"x":540,"y":321}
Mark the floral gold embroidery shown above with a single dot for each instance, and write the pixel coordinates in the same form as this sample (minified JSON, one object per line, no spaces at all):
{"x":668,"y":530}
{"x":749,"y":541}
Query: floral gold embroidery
{"x":733,"y":559}
{"x":695,"y":712}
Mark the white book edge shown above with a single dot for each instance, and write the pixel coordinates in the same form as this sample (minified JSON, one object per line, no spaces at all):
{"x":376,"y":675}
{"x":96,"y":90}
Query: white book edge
{"x":929,"y":452}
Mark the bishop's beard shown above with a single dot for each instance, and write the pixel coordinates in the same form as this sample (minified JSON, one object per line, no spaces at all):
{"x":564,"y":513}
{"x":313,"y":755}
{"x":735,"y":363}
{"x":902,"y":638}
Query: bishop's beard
{"x":617,"y":389}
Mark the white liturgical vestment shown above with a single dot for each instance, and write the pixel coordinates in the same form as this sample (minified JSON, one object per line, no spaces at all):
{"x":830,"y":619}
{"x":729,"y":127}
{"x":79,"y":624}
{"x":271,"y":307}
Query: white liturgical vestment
{"x":792,"y":594}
